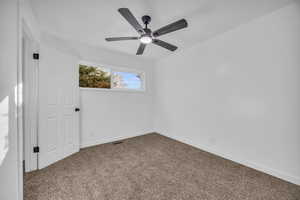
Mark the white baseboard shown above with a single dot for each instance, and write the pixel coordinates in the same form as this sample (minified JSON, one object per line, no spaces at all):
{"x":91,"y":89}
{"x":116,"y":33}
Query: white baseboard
{"x":259,"y":167}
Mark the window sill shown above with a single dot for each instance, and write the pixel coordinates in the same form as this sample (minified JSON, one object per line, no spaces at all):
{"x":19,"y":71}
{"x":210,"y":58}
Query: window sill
{"x":111,"y":90}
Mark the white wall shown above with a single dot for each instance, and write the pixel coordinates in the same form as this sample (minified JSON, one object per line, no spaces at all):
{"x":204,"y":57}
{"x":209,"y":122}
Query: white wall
{"x":8,"y":80}
{"x":112,"y":115}
{"x":238,"y":95}
{"x":29,"y":20}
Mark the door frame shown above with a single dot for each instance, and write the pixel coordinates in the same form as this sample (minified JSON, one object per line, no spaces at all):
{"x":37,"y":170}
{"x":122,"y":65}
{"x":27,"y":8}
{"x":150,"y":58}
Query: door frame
{"x":29,"y":143}
{"x":22,"y":26}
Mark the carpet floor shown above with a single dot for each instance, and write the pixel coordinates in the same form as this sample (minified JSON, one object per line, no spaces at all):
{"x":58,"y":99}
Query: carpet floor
{"x":152,"y":167}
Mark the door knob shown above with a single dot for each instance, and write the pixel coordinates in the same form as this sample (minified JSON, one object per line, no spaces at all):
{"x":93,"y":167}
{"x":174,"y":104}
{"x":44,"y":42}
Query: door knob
{"x":77,"y":109}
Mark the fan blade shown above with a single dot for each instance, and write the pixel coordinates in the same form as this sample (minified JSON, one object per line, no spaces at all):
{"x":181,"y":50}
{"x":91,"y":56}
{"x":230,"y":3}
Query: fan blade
{"x":180,"y":24}
{"x":164,"y":45}
{"x":120,"y":38}
{"x":141,"y":49}
{"x":125,"y":12}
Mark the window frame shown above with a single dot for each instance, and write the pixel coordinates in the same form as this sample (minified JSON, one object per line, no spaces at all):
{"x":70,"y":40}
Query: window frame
{"x":112,"y":69}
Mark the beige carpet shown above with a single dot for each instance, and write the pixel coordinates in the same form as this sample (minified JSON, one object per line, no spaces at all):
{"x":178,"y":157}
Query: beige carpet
{"x":152,"y":167}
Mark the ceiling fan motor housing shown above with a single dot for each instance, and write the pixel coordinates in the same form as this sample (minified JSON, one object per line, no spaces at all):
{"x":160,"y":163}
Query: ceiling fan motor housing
{"x":147,"y":31}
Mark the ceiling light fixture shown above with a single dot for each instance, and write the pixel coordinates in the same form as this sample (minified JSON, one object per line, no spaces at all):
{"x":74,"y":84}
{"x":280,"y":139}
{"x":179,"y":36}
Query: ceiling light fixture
{"x":146,"y":39}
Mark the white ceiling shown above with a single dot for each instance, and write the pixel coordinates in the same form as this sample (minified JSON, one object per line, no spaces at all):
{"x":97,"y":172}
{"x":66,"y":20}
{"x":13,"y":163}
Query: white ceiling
{"x":90,"y":21}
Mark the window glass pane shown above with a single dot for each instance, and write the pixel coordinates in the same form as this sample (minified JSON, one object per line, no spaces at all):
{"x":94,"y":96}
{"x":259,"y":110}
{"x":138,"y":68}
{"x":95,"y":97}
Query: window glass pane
{"x":127,"y":80}
{"x":94,"y":77}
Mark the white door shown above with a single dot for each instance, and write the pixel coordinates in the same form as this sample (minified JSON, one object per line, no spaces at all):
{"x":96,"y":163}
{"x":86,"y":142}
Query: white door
{"x":30,"y":103}
{"x":59,"y":123}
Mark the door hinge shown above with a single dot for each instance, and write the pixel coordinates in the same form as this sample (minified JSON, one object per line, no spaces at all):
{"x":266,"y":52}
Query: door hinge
{"x":36,"y":56}
{"x":36,"y":149}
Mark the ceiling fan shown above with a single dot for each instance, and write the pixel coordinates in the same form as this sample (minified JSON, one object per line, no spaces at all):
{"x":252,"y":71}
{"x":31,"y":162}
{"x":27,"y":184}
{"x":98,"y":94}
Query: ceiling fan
{"x":146,"y":34}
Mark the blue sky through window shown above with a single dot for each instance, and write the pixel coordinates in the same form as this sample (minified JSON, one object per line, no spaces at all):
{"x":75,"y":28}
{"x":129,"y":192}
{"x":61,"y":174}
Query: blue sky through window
{"x":129,"y":80}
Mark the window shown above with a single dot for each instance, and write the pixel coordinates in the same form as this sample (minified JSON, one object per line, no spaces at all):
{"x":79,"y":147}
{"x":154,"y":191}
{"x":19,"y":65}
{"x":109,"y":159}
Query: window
{"x":127,"y":80}
{"x":93,"y":76}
